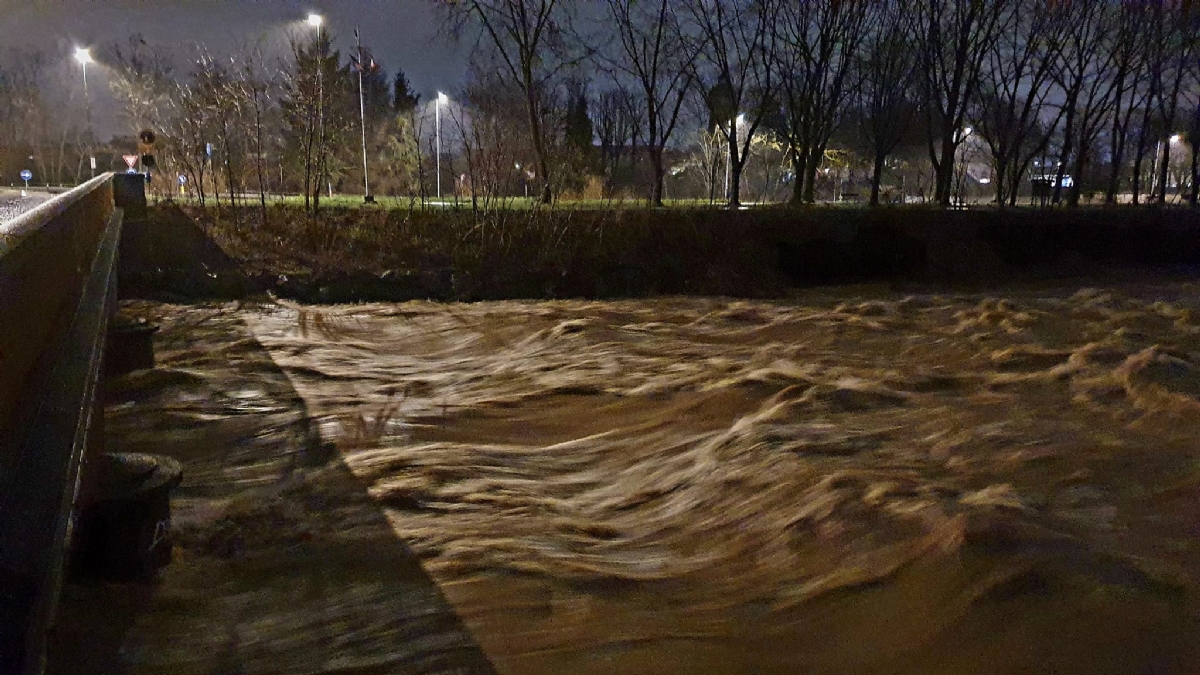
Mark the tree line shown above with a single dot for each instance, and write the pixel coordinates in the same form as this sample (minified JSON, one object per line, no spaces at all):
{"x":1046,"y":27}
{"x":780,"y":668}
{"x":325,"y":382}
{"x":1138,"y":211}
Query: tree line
{"x":728,"y":99}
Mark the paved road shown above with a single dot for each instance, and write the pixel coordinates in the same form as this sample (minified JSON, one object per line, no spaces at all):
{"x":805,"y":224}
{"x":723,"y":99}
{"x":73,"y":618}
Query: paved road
{"x":12,"y":204}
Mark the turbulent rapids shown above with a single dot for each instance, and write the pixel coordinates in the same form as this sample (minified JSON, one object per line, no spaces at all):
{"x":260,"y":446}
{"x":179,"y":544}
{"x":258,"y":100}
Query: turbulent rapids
{"x":845,"y":482}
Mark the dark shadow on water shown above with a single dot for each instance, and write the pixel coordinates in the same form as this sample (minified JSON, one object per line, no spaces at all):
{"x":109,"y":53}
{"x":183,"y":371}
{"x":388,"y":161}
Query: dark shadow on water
{"x":283,"y":562}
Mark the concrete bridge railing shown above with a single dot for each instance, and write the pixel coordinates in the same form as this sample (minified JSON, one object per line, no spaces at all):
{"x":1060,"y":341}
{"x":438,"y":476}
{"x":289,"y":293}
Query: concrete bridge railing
{"x":57,"y":294}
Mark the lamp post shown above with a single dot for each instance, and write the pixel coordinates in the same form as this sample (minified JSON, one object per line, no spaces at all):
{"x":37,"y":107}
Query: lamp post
{"x":316,"y":21}
{"x":362,"y":114}
{"x":959,"y":165}
{"x":84,"y":57}
{"x":741,"y":121}
{"x":437,"y":115}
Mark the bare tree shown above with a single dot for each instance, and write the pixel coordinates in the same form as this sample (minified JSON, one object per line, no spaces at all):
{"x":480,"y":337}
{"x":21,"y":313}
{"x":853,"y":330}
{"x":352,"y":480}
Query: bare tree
{"x":140,"y":76}
{"x":319,"y":109}
{"x":1173,"y":44}
{"x":527,"y":36}
{"x":1083,"y":75}
{"x":1130,"y":89}
{"x":221,"y":93}
{"x":887,"y":100}
{"x":655,"y":54}
{"x":1015,"y":91}
{"x":816,"y":54}
{"x":733,"y":66}
{"x":618,"y":128}
{"x":953,"y":39}
{"x":256,"y":92}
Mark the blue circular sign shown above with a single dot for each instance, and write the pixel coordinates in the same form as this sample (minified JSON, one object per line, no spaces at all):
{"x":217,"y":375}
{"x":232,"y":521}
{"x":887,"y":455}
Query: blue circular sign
{"x":26,"y":175}
{"x":182,"y":179}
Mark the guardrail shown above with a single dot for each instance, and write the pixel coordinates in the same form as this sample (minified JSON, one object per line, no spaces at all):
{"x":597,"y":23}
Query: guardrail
{"x":57,"y":293}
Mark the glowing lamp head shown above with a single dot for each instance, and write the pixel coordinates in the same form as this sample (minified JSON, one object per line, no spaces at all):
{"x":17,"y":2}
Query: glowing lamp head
{"x":968,"y":131}
{"x":1176,"y":138}
{"x":83,"y":55}
{"x":741,"y":119}
{"x":442,"y":99}
{"x":315,"y":20}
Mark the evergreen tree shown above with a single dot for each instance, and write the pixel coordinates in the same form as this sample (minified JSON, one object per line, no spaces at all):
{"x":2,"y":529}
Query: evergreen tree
{"x":404,"y":99}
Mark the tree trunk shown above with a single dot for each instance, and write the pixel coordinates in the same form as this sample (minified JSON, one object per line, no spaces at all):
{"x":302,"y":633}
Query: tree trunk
{"x":876,"y":178}
{"x":262,"y":187}
{"x":1163,"y":168}
{"x":800,"y":169}
{"x":1118,"y":158}
{"x":1194,"y":196}
{"x":539,"y":147}
{"x":656,"y":188}
{"x":944,"y":171}
{"x":735,"y":167}
{"x":810,"y":181}
{"x":1076,"y":184}
{"x":1138,"y":157}
{"x":735,"y":185}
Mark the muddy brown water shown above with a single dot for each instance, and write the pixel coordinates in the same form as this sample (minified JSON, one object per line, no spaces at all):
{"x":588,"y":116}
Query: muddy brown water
{"x":850,"y":481}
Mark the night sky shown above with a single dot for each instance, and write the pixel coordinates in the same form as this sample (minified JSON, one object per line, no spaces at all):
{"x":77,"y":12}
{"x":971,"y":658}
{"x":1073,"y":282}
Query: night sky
{"x":402,"y":33}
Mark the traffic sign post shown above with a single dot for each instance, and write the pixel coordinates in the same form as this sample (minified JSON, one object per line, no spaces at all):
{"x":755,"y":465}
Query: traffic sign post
{"x":26,"y":175}
{"x":182,"y":183}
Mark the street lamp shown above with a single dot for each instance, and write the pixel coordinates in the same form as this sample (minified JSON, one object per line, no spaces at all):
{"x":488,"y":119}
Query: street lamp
{"x":1158,"y":151}
{"x":960,"y":165}
{"x":362,"y":113}
{"x":84,"y":56}
{"x":437,"y":115}
{"x":316,"y":21}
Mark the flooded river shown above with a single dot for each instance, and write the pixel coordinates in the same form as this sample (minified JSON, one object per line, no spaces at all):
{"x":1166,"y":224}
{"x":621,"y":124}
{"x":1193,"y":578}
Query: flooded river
{"x":850,"y":481}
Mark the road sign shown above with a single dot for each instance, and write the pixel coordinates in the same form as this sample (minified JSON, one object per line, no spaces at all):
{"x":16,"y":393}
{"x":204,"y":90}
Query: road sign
{"x":93,"y":163}
{"x":182,"y":179}
{"x":131,"y":162}
{"x":26,"y":175}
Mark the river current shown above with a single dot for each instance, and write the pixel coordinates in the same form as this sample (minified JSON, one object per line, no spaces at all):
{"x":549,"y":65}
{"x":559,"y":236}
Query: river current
{"x":850,"y":481}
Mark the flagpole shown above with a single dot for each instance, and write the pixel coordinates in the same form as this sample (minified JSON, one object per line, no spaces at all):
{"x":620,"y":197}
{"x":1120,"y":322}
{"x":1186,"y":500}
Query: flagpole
{"x":362,"y":113}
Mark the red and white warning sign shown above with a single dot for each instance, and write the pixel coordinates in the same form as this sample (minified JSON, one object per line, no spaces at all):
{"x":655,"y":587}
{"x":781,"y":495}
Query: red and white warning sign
{"x":130,"y":161}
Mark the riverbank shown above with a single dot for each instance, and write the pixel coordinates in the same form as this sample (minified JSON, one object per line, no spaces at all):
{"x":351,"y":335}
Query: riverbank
{"x":395,"y":255}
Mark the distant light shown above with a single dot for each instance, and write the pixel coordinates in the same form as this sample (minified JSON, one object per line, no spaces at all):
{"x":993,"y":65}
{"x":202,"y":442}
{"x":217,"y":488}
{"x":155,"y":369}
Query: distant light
{"x":83,"y":55}
{"x":741,"y":120}
{"x":442,"y":99}
{"x":315,"y":20}
{"x":1176,"y":138}
{"x":517,"y":166}
{"x":967,"y":132}
{"x":985,"y":181}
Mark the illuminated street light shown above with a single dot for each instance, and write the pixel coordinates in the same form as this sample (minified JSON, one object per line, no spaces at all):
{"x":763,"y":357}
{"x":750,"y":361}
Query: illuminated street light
{"x":1176,"y":138}
{"x":84,"y":56}
{"x":442,"y":99}
{"x":316,"y":21}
